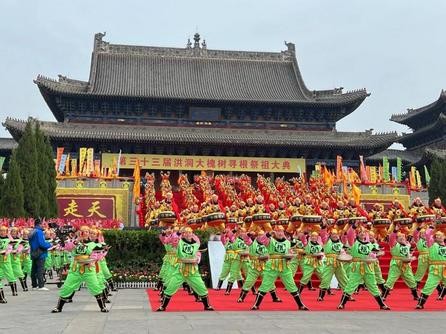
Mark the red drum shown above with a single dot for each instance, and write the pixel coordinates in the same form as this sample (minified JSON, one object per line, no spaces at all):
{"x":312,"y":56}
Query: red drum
{"x":282,"y":221}
{"x":261,"y":218}
{"x":425,"y":218}
{"x":296,"y":218}
{"x":342,"y":221}
{"x":232,"y":220}
{"x":403,"y":221}
{"x":358,"y":219}
{"x":312,"y":219}
{"x":215,"y":219}
{"x":384,"y":222}
{"x":167,"y":217}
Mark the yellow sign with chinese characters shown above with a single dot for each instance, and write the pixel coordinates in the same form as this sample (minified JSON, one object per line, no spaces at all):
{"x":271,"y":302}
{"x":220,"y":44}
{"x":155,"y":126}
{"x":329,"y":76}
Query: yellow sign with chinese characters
{"x":199,"y":163}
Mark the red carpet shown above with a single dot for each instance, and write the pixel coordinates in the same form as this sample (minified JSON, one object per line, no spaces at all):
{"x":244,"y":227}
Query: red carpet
{"x":399,"y":300}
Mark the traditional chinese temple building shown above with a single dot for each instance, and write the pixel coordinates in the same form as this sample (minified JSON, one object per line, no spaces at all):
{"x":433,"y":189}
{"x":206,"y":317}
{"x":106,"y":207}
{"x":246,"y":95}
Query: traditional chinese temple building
{"x":195,"y":101}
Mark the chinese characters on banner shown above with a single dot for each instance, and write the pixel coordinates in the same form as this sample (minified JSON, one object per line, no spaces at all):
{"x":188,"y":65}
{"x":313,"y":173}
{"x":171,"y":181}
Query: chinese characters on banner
{"x":99,"y":207}
{"x":199,"y":163}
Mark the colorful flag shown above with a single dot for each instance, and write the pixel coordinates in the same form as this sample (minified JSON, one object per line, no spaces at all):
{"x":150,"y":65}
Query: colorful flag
{"x":338,"y":168}
{"x":426,"y":175}
{"x":394,"y":173}
{"x":399,"y":169}
{"x":386,"y":171}
{"x":97,"y":168}
{"x":90,"y":161}
{"x":362,"y":170}
{"x":418,"y":178}
{"x":373,"y":176}
{"x":136,"y":181}
{"x":356,"y":193}
{"x":67,"y":165}
{"x":63,"y":160}
{"x":74,"y":167}
{"x":119,"y":163}
{"x":82,"y":155}
{"x":412,"y":178}
{"x":59,"y":156}
{"x":2,"y":161}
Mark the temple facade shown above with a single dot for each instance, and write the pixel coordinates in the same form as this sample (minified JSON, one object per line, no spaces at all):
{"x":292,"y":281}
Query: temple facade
{"x":200,"y":101}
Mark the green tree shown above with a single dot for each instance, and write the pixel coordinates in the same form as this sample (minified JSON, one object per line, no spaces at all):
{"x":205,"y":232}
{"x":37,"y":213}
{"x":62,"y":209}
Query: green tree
{"x":12,"y":200}
{"x":26,"y":154}
{"x":50,"y":171}
{"x":42,"y":172}
{"x":437,"y":183}
{"x":2,"y":184}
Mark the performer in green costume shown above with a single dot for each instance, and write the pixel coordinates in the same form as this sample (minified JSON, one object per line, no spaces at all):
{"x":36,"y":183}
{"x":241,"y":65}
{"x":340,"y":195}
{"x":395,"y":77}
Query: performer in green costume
{"x":83,"y":269}
{"x":5,"y":260}
{"x":188,"y":257}
{"x":400,"y":265}
{"x":16,"y":263}
{"x":362,"y":268}
{"x":258,"y":255}
{"x":312,"y":260}
{"x":437,"y":269}
{"x":332,"y":249}
{"x":279,"y":249}
{"x":25,"y":256}
{"x":423,"y":253}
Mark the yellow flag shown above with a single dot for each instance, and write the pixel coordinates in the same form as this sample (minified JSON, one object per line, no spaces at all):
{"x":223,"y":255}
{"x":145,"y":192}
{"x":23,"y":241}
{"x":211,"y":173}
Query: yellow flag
{"x":136,"y":181}
{"x":356,"y":193}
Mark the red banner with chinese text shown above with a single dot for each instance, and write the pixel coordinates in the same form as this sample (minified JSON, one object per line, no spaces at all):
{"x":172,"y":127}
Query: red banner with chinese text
{"x":77,"y":206}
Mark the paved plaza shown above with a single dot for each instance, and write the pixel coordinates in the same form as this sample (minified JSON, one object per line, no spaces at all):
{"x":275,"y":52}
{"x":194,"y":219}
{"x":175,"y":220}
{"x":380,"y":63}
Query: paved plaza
{"x":130,"y":314}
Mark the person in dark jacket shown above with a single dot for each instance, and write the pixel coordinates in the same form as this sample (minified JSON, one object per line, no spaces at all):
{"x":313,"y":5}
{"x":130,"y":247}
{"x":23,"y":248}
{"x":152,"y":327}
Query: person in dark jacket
{"x":39,"y":252}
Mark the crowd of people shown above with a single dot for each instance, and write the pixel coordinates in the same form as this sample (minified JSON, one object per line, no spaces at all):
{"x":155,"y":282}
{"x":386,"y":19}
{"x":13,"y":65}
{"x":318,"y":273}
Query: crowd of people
{"x":76,"y":255}
{"x":272,"y":231}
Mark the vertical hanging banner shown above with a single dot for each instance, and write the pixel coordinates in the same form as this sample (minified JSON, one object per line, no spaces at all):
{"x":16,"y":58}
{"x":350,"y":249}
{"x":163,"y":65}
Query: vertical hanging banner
{"x":63,"y":160}
{"x":399,"y":168}
{"x":90,"y":161}
{"x":82,"y":156}
{"x":2,"y":161}
{"x":418,"y":178}
{"x":412,"y":177}
{"x":118,"y":163}
{"x":67,"y":165}
{"x":338,"y":168}
{"x":73,"y":167}
{"x":362,"y":170}
{"x":386,"y":170}
{"x":373,"y":176}
{"x":394,"y":173}
{"x":97,"y":167}
{"x":59,"y":156}
{"x":426,"y":175}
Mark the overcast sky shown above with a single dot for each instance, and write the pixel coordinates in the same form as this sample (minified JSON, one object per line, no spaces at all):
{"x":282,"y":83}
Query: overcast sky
{"x":394,"y":48}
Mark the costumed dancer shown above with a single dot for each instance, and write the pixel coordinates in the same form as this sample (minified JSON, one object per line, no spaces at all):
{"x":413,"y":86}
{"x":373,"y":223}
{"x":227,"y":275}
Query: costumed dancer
{"x":400,"y":264}
{"x":376,"y":265}
{"x":279,"y":249}
{"x":170,"y":262}
{"x":5,"y":260}
{"x":187,"y":271}
{"x":420,"y":238}
{"x":83,"y":269}
{"x":16,"y":254}
{"x":25,"y":256}
{"x":437,"y":269}
{"x":333,"y":247}
{"x":362,"y":268}
{"x":258,"y":255}
{"x":312,"y":262}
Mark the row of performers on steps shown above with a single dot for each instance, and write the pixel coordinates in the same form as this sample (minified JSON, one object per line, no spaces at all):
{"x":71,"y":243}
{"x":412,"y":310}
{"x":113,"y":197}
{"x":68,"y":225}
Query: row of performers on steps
{"x":301,"y":216}
{"x":351,"y":256}
{"x":62,"y":256}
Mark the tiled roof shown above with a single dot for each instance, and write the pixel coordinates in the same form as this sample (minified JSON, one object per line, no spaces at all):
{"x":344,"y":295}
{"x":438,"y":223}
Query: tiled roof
{"x":200,"y":135}
{"x":406,"y":156}
{"x":406,"y":117}
{"x":7,"y":144}
{"x":197,"y":73}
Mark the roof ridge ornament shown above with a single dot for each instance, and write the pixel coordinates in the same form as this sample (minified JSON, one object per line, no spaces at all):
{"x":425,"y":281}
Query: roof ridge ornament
{"x":99,"y":44}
